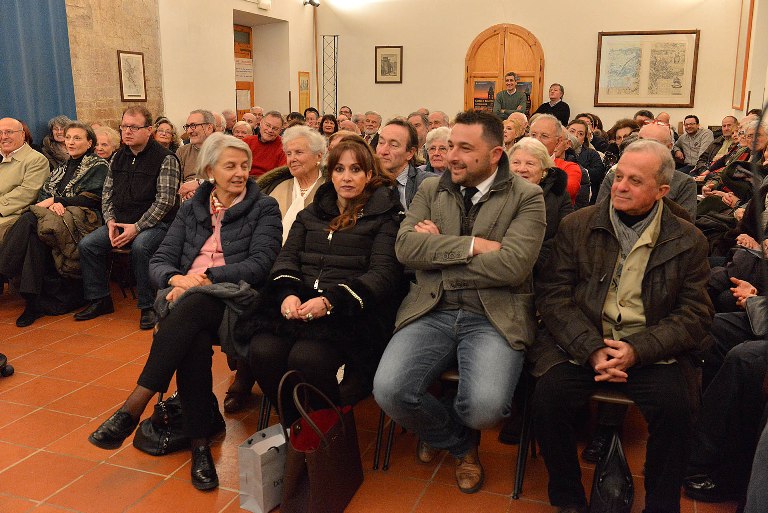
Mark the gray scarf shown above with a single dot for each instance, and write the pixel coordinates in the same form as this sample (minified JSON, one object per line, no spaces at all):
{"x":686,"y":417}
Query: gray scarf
{"x":629,"y":235}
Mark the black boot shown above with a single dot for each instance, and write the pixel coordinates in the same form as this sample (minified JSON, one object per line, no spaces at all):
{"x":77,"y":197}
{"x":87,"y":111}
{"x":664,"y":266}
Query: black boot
{"x":114,"y":430}
{"x":30,"y":314}
{"x":203,"y":470}
{"x":96,"y":308}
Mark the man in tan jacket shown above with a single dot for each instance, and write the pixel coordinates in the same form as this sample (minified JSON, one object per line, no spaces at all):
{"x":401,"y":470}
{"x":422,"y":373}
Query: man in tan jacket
{"x":472,"y":236}
{"x":23,"y":172}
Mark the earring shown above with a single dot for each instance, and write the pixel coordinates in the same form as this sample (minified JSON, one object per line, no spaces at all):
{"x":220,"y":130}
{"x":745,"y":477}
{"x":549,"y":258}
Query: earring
{"x":211,"y":180}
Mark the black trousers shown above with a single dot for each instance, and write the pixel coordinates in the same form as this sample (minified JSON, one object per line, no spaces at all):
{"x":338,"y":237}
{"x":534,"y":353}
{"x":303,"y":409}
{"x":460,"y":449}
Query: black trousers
{"x":183,"y":345}
{"x":660,"y":393}
{"x":729,"y":424}
{"x":729,"y":330}
{"x":273,"y":356}
{"x":23,"y":254}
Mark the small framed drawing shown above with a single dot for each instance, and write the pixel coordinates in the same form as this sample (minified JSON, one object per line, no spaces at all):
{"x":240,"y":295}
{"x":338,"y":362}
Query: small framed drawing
{"x":389,"y":64}
{"x":133,"y":82}
{"x":646,"y":69}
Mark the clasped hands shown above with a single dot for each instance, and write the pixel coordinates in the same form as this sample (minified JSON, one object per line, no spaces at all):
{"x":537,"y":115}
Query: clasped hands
{"x":293,"y":309}
{"x":118,"y":238}
{"x":182,"y":282}
{"x":611,"y":362}
{"x":480,"y":246}
{"x":56,"y":208}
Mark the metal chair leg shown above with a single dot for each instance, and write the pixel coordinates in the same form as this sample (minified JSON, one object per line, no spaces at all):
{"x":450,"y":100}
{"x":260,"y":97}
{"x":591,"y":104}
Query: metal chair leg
{"x":265,"y":411}
{"x":390,"y":439}
{"x":526,"y":439}
{"x":379,"y":436}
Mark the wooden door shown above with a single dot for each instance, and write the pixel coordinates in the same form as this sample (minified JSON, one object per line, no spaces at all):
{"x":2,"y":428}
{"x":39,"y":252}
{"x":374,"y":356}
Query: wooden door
{"x":495,"y":52}
{"x":243,"y":54}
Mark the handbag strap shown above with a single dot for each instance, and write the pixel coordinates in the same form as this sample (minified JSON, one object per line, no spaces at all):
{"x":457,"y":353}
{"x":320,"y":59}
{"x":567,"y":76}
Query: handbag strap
{"x":284,"y":382}
{"x":306,"y":416}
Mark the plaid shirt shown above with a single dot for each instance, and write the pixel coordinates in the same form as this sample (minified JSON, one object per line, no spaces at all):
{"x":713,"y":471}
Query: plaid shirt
{"x":167,"y":187}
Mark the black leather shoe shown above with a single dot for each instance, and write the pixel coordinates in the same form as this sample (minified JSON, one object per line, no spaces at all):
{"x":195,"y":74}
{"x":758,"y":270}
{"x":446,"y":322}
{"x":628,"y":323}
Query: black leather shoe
{"x":702,"y":487}
{"x":114,"y":430}
{"x":511,"y":430}
{"x":203,"y":470}
{"x":28,"y":316}
{"x":96,"y":308}
{"x":148,"y":319}
{"x":597,"y":446}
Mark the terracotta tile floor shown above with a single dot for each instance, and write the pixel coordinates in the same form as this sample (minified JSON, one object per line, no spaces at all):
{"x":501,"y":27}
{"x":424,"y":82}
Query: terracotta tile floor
{"x":70,"y":376}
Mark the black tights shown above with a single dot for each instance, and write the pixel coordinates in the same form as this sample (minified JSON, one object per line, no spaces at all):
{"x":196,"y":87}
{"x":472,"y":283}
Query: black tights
{"x":317,"y":360}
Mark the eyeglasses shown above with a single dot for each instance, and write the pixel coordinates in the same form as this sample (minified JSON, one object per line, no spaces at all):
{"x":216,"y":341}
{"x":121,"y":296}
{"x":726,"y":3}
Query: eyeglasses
{"x":164,"y":132}
{"x":437,"y":149}
{"x":132,"y":128}
{"x":269,"y":128}
{"x":8,"y":133}
{"x":193,"y":126}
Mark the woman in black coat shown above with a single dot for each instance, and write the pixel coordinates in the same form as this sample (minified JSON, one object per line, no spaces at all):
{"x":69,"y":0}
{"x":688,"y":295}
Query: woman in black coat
{"x":529,"y":158}
{"x":336,"y":285}
{"x":586,"y":157}
{"x":222,"y":243}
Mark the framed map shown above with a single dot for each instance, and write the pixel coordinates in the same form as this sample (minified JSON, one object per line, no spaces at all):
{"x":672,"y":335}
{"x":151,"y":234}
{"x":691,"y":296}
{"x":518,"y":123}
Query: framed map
{"x":133,"y":83}
{"x":646,"y":69}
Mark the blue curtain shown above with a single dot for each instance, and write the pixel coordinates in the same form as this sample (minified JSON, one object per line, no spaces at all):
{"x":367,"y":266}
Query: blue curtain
{"x":35,"y":68}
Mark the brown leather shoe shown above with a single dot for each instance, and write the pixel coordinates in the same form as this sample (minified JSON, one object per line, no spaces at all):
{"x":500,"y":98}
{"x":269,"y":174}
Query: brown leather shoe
{"x":425,"y":453}
{"x":469,"y":472}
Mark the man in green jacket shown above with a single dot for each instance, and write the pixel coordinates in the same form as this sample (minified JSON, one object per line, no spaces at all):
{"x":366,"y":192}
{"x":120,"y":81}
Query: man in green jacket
{"x":472,"y":237}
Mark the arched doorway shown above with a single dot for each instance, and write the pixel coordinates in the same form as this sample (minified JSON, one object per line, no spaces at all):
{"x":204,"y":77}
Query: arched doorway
{"x":493,"y":53}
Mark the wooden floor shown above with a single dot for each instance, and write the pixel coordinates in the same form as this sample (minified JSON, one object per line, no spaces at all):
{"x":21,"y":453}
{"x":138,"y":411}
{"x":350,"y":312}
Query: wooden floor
{"x":70,"y":376}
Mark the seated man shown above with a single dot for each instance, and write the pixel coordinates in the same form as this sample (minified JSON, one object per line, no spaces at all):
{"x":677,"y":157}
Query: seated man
{"x":266,"y":145}
{"x":623,"y":307}
{"x":472,"y":236}
{"x":138,"y":202}
{"x":23,"y":172}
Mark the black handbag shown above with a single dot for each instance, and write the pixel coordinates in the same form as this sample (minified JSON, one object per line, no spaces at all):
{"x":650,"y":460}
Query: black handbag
{"x":322,"y":468}
{"x":613,"y":490}
{"x":163,"y":432}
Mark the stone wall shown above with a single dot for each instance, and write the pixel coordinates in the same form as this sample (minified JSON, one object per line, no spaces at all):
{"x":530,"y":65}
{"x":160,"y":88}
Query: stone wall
{"x":97,"y":30}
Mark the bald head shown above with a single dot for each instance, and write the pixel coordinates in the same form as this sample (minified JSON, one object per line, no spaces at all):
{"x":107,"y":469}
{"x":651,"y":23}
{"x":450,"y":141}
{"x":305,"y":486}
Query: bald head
{"x":658,"y":133}
{"x":663,"y":117}
{"x":11,"y":135}
{"x":349,"y":125}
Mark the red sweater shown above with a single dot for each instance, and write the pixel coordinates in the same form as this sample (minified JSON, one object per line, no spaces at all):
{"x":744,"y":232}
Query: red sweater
{"x":574,"y":176}
{"x":266,"y":156}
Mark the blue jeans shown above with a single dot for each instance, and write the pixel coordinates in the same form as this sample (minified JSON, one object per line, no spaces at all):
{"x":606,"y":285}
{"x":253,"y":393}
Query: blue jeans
{"x":416,"y":356}
{"x":96,"y":247}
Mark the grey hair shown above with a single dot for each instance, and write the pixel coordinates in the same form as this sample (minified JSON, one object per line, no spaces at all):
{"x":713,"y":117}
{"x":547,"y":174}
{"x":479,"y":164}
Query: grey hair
{"x":61,"y":121}
{"x":228,"y":111}
{"x":534,"y":148}
{"x":243,"y":124}
{"x":356,"y":117}
{"x":424,"y":118}
{"x":274,"y":114}
{"x":442,"y":114}
{"x":373,"y":113}
{"x":549,"y":117}
{"x":755,"y":125}
{"x":440,"y":134}
{"x":111,"y":133}
{"x":575,"y":144}
{"x":207,"y":115}
{"x":666,"y":163}
{"x":213,"y":147}
{"x":220,"y":124}
{"x":315,"y":140}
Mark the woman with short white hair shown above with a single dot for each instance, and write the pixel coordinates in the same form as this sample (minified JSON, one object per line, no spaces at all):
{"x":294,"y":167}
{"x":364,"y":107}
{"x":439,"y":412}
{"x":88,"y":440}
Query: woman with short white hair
{"x":437,"y":150}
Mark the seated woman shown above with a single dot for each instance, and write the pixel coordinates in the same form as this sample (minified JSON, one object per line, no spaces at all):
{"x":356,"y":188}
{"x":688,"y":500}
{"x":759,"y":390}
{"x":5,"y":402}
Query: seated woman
{"x":336,"y":285}
{"x":329,"y":125}
{"x":294,"y":187}
{"x":242,"y":129}
{"x":165,"y":133}
{"x":586,"y":157}
{"x":529,"y":158}
{"x":437,"y":150}
{"x":77,"y":183}
{"x":223,"y":242}
{"x":107,"y":142}
{"x":53,"y":146}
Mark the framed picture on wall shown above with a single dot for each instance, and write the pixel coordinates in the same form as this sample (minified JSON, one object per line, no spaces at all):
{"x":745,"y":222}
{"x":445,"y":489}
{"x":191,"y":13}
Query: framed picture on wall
{"x":133,"y":82}
{"x":646,"y":69}
{"x":303,"y":90}
{"x":389,"y":64}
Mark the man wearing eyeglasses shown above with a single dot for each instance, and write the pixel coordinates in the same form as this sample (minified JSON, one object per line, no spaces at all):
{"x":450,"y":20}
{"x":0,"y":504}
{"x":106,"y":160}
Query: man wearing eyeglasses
{"x":138,"y":203}
{"x":200,"y":124}
{"x":267,"y":146}
{"x":23,"y":172}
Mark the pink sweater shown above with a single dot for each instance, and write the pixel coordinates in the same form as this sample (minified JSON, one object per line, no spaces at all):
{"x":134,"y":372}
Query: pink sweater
{"x":211,"y":254}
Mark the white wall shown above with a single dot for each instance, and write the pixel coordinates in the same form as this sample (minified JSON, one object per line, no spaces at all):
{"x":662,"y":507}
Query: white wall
{"x":271,"y":63}
{"x":437,"y":33}
{"x":198,"y":64}
{"x":757,"y":74}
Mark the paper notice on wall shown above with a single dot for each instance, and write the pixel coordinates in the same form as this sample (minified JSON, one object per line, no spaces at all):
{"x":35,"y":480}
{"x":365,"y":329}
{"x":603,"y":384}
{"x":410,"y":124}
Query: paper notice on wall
{"x":243,"y":99}
{"x":243,"y":69}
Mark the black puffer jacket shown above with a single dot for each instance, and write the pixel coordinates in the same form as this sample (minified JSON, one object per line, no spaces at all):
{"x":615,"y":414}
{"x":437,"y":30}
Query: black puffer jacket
{"x":355,"y":268}
{"x":251,"y":232}
{"x":558,"y":204}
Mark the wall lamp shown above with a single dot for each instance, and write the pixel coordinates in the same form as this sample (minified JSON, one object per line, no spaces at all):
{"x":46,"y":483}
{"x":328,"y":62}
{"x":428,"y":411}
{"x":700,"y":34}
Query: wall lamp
{"x":314,"y":3}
